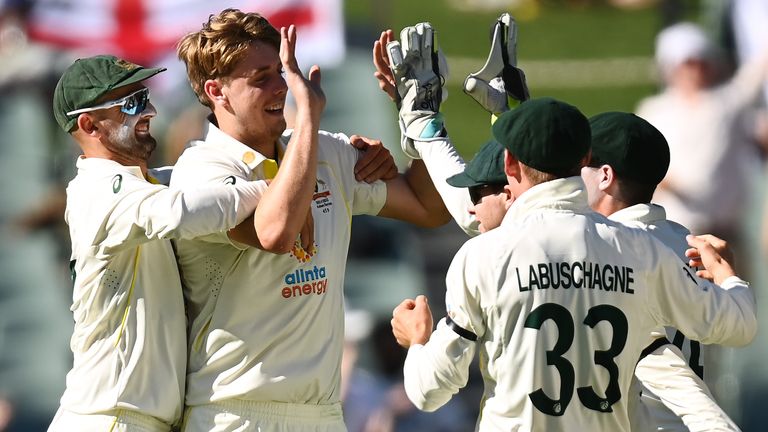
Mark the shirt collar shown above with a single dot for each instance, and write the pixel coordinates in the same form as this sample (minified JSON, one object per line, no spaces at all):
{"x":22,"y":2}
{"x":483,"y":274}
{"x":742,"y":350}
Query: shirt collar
{"x":566,"y":194}
{"x":648,"y":214}
{"x":97,"y":164}
{"x":237,"y":150}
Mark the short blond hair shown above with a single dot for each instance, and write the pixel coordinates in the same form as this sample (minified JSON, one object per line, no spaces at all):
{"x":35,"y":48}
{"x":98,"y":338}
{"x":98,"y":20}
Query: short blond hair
{"x":538,"y":177}
{"x":215,"y":50}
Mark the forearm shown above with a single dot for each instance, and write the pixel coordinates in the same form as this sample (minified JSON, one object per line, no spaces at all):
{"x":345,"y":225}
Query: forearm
{"x":744,"y":88}
{"x":277,"y":220}
{"x":434,"y":210}
{"x":725,"y":316}
{"x":432,"y":374}
{"x":161,"y":213}
{"x":443,"y":161}
{"x":666,"y":373}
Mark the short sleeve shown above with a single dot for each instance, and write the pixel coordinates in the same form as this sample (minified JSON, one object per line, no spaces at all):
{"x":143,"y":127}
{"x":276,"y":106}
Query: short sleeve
{"x":362,"y":198}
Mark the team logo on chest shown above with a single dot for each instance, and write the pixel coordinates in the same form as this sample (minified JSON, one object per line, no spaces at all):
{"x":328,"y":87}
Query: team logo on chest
{"x":303,"y":255}
{"x":322,"y":196}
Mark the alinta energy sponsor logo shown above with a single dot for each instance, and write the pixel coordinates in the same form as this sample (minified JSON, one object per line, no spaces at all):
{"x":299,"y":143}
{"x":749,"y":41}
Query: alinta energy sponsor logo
{"x":305,"y":282}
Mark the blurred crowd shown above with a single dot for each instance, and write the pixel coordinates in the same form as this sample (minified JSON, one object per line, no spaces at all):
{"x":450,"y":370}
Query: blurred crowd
{"x":711,"y":107}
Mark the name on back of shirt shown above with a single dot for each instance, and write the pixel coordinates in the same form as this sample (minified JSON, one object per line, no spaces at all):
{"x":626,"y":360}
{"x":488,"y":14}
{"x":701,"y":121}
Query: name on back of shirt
{"x":578,"y":274}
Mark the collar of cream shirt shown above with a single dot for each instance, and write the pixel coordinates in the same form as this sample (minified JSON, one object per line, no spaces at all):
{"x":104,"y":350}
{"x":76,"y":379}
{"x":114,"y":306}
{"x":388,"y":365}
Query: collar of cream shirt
{"x":566,"y":194}
{"x":216,"y":137}
{"x":95,"y":164}
{"x":648,"y":214}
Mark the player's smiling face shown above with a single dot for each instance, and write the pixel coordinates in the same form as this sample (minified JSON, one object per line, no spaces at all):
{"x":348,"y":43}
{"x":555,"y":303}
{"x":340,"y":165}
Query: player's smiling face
{"x":123,"y":134}
{"x":256,"y":92}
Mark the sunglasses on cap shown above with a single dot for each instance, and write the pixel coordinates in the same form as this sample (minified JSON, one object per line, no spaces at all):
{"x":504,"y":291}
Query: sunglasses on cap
{"x":133,"y":104}
{"x":476,"y":193}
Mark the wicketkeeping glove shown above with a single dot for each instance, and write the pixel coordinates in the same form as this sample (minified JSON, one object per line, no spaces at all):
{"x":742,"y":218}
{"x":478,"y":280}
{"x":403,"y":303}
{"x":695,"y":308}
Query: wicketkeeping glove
{"x":499,"y":83}
{"x":420,"y":71}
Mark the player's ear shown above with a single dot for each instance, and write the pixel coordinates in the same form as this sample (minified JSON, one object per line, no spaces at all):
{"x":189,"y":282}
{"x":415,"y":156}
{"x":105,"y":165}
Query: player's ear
{"x":214,"y":90}
{"x":511,"y":166}
{"x":607,"y":177}
{"x":86,"y":123}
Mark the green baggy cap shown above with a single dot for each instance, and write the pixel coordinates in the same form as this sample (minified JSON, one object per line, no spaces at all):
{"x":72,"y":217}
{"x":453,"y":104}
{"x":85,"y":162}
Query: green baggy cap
{"x":633,"y":147}
{"x":487,"y":167}
{"x":545,"y":134}
{"x":86,"y":80}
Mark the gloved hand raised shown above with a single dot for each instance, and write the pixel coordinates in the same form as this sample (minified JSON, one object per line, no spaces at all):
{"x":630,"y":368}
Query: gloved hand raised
{"x":499,"y":82}
{"x":419,"y":71}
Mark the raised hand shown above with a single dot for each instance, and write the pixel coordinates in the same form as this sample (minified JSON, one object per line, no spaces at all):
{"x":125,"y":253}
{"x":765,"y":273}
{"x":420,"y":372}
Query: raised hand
{"x":418,"y":73}
{"x":383,"y":73}
{"x":713,"y":254}
{"x":307,"y":92}
{"x":499,"y":81}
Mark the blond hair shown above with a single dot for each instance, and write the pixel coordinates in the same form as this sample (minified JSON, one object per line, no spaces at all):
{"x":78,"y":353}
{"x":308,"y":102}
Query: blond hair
{"x":215,"y":50}
{"x":538,"y":177}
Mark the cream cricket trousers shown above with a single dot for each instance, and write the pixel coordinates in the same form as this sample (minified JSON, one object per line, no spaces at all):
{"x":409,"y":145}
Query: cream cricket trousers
{"x":237,"y":415}
{"x":115,"y":421}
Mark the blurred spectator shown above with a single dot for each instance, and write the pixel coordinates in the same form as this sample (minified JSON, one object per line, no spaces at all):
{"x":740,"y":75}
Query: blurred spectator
{"x":746,"y":19}
{"x":710,"y":129}
{"x":34,"y":288}
{"x":715,"y":151}
{"x":375,"y":400}
{"x":750,"y":34}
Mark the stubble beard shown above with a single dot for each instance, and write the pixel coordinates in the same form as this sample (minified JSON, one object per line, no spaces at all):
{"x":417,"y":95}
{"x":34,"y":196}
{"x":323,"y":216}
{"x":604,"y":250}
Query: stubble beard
{"x":123,"y":141}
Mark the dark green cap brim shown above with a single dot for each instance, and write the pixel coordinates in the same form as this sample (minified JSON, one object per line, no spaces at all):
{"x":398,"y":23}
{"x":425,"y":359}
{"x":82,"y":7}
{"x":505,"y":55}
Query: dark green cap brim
{"x":487,"y":167}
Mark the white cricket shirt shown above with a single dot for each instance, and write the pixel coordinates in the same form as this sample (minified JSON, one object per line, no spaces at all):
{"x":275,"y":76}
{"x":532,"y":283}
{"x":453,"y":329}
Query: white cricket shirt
{"x":129,"y":340}
{"x":673,"y":378}
{"x":443,"y":161}
{"x":561,"y":301}
{"x":267,"y":327}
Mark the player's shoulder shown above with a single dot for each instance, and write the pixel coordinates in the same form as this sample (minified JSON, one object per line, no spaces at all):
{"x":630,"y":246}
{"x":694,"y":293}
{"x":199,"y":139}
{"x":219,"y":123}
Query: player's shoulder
{"x":328,"y":142}
{"x":201,"y":163}
{"x":99,"y":187}
{"x":494,"y":244}
{"x":197,"y":152}
{"x":101,"y":175}
{"x":335,"y":151}
{"x":676,"y":228}
{"x":630,"y":233}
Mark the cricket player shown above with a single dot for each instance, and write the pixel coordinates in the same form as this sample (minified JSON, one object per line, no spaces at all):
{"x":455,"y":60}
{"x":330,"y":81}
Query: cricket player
{"x":483,"y":177}
{"x":630,"y":158}
{"x":681,"y":400}
{"x":129,"y":341}
{"x":266,"y":314}
{"x":560,"y":301}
